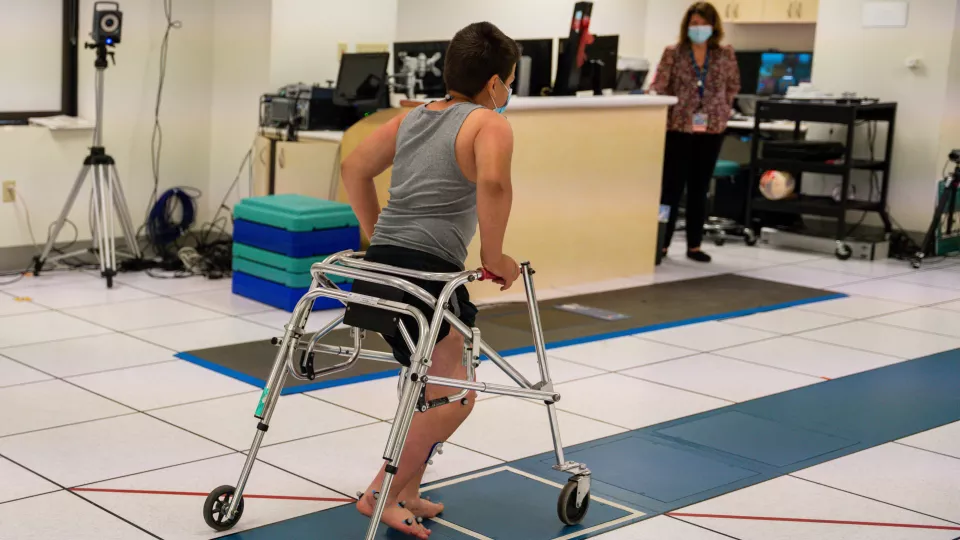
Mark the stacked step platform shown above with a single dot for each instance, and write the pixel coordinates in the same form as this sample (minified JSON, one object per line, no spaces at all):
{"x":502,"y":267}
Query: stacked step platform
{"x":276,"y":240}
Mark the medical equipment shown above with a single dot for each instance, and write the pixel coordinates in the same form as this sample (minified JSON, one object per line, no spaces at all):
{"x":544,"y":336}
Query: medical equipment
{"x":224,"y":505}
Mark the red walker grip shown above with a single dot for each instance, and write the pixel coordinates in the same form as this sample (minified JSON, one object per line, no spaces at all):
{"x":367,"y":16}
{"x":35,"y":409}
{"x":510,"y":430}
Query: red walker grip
{"x":486,"y":275}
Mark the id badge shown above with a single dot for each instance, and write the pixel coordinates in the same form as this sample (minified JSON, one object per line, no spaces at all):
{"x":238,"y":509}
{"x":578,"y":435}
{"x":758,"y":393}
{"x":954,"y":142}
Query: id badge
{"x":699,"y":123}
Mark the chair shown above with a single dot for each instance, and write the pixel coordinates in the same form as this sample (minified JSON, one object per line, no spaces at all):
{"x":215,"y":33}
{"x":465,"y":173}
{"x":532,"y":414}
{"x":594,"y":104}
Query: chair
{"x":719,"y":228}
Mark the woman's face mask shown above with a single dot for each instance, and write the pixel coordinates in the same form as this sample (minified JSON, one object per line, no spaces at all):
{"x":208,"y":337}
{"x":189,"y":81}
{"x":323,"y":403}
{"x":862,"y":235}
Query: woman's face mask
{"x":699,"y":34}
{"x":505,"y":103}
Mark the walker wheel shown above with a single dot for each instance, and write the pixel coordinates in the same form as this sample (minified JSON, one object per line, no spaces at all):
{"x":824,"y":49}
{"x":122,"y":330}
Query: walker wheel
{"x":567,"y":504}
{"x":843,"y":252}
{"x":215,"y":509}
{"x":109,"y":282}
{"x":720,"y":241}
{"x":749,"y":237}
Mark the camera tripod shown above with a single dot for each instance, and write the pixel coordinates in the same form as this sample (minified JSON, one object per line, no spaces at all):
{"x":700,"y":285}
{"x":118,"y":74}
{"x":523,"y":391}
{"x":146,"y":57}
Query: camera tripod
{"x":946,"y":209}
{"x":109,"y":203}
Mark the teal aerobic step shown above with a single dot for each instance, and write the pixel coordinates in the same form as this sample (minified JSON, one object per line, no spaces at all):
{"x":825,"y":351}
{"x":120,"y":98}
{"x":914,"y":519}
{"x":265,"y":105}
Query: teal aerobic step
{"x":295,"y":213}
{"x":288,"y":279}
{"x":283,"y":262}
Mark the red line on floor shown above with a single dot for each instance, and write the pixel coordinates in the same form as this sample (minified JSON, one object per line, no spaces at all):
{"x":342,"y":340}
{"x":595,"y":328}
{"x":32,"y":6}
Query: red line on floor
{"x":827,"y":521}
{"x":200,"y":494}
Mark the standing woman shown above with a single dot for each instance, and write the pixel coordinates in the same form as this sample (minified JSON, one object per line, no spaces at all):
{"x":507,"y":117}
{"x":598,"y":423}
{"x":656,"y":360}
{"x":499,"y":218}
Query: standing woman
{"x":705,"y":78}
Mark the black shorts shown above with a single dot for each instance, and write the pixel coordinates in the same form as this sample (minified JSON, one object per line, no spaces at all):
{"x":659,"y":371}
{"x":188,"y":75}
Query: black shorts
{"x":417,"y":260}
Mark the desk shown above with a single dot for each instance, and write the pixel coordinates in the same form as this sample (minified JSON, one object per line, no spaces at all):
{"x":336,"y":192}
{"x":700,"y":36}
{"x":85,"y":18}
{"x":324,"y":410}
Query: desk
{"x":586,"y":185}
{"x":308,"y":166}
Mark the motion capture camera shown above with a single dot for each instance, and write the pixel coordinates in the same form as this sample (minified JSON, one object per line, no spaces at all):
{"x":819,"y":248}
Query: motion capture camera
{"x":955,"y":156}
{"x":107,"y":23}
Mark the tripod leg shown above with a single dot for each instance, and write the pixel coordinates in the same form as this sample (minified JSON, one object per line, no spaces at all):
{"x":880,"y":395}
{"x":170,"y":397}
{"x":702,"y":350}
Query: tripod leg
{"x":102,"y":207}
{"x":97,"y":223}
{"x":58,"y":225}
{"x":120,"y":200}
{"x":109,"y":209}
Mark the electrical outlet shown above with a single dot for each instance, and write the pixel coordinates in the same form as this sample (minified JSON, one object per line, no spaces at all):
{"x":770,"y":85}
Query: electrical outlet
{"x":9,"y":191}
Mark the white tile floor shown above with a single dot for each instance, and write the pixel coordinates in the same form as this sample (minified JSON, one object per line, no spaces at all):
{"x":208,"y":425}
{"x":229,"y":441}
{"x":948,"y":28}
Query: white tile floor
{"x":91,"y":395}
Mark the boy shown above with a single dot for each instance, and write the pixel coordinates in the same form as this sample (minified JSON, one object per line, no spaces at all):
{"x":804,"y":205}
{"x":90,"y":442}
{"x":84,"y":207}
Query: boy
{"x":451,"y":171}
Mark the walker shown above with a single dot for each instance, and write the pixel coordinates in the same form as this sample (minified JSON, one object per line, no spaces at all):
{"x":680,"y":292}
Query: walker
{"x":224,"y":505}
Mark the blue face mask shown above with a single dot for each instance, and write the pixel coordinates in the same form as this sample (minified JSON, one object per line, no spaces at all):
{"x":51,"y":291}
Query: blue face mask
{"x":505,"y":103}
{"x":699,"y":34}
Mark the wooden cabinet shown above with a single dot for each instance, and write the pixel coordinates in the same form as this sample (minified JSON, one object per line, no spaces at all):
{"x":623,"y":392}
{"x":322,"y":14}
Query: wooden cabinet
{"x":725,"y":7}
{"x":807,"y":10}
{"x":776,"y":11}
{"x":769,"y":11}
{"x":305,"y":167}
{"x":741,"y":10}
{"x":748,"y":11}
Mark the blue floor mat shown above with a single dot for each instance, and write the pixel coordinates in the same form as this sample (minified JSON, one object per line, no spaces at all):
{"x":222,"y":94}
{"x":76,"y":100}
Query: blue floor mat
{"x":530,"y":512}
{"x":755,"y":438}
{"x":340,"y":523}
{"x":666,"y":467}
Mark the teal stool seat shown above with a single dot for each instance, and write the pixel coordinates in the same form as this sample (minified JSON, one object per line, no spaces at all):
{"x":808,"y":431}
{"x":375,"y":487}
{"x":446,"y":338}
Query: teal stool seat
{"x":295,"y":213}
{"x":726,"y":168}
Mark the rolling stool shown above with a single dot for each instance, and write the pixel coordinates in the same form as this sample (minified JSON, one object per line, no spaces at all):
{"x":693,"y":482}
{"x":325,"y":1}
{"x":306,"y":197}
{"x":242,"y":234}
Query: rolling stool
{"x":716,"y":227}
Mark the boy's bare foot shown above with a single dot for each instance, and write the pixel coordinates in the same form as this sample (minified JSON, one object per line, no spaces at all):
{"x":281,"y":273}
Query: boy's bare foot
{"x":395,"y":517}
{"x":424,"y":508}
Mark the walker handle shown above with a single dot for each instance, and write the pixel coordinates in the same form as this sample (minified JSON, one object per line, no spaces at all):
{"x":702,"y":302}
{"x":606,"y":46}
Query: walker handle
{"x":486,"y":275}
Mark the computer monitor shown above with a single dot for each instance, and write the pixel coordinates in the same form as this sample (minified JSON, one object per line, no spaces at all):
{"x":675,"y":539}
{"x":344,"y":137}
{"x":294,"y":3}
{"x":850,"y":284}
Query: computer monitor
{"x":749,"y":63}
{"x":425,"y":59}
{"x":540,"y":53}
{"x":362,"y":80}
{"x":781,"y":70}
{"x":603,"y":49}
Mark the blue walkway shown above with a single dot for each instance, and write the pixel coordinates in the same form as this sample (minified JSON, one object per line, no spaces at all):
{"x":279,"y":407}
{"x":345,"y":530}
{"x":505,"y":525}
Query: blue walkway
{"x":675,"y":464}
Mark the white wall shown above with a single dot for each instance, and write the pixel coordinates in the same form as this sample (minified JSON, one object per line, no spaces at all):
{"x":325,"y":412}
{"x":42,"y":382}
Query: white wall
{"x":45,"y":164}
{"x":950,"y":131}
{"x":427,"y":20}
{"x":303,"y":42}
{"x":870,"y":61}
{"x":241,"y":74}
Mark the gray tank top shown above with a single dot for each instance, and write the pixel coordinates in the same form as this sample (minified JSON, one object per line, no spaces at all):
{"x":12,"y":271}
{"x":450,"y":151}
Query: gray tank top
{"x":432,"y":206}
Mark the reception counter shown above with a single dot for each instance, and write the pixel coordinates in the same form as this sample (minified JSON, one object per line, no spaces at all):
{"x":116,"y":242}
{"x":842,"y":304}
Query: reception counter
{"x":586,"y":184}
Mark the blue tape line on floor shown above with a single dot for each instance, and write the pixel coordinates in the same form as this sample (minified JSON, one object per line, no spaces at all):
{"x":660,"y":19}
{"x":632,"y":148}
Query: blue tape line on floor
{"x":240,"y":376}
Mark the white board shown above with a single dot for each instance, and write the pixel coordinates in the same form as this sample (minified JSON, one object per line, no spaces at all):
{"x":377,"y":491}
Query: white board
{"x":885,"y":14}
{"x":30,"y":64}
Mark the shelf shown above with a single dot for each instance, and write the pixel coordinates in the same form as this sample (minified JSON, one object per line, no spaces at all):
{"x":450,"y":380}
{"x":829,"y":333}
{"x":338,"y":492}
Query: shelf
{"x":812,"y":205}
{"x":828,"y":113}
{"x":818,"y":167}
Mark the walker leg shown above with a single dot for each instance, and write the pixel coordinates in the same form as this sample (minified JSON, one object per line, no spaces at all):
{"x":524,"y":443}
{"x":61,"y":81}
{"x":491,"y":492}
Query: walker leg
{"x":547,"y":384}
{"x":398,"y":436}
{"x":575,"y":497}
{"x":268,"y":402}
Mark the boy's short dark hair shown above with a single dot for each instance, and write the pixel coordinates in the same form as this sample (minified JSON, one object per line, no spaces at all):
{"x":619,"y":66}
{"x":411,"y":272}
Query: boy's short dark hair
{"x":475,"y":54}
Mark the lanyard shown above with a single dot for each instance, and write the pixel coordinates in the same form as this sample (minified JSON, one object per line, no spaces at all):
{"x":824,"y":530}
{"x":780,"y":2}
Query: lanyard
{"x":701,"y":73}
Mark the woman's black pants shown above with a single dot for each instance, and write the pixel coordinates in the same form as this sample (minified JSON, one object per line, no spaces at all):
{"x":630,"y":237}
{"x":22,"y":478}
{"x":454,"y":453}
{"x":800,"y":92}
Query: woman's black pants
{"x":688,"y":162}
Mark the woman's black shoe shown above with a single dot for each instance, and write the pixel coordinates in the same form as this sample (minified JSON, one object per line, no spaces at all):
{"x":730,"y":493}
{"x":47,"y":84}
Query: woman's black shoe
{"x":698,"y":256}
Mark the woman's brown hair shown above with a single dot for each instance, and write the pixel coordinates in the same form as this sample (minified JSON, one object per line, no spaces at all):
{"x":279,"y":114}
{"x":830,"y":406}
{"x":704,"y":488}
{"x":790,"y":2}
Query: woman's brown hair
{"x":711,"y":15}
